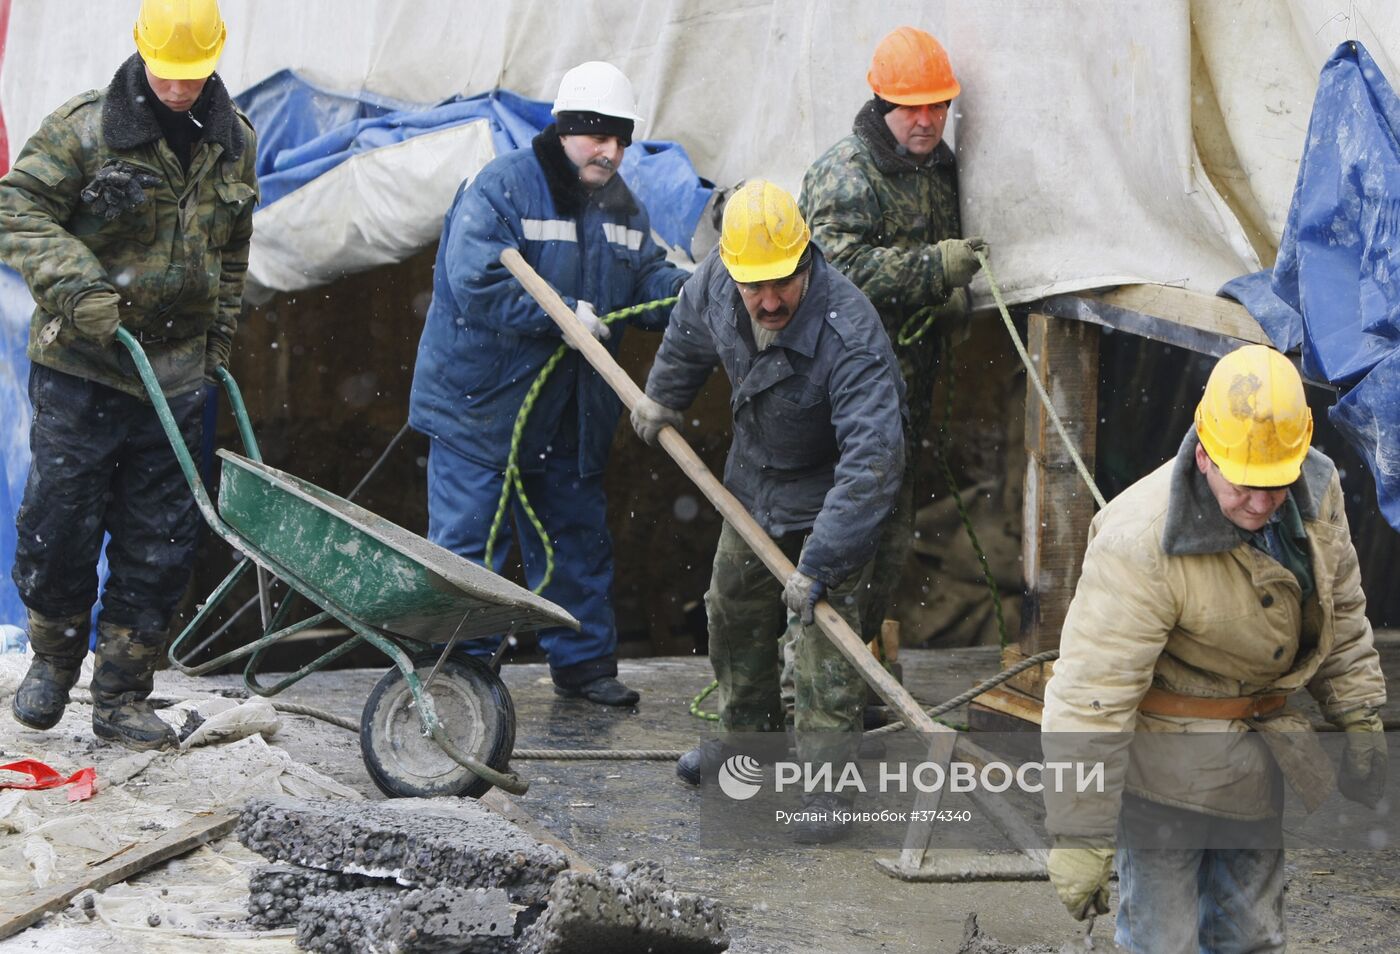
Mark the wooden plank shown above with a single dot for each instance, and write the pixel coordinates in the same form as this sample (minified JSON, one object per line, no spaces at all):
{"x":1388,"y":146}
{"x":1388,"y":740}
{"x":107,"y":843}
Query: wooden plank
{"x":1010,"y":702}
{"x":1030,"y":681}
{"x":1209,"y":313}
{"x":20,"y":913}
{"x":1057,"y":507}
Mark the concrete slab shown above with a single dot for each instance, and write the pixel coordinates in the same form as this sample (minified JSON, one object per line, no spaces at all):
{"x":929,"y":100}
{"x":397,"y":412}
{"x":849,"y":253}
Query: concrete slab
{"x":417,"y":842}
{"x":408,"y":921}
{"x":626,"y":910}
{"x":275,"y":892}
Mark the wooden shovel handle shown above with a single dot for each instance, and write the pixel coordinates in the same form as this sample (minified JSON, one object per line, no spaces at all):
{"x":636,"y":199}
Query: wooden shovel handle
{"x":828,"y":620}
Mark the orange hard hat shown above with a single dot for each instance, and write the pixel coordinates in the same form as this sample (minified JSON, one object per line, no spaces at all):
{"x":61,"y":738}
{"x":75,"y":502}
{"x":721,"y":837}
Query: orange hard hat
{"x":911,"y":68}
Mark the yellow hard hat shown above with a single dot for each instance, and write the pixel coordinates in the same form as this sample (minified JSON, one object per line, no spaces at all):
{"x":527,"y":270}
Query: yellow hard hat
{"x":180,"y":39}
{"x":1253,"y":419}
{"x":763,"y":235}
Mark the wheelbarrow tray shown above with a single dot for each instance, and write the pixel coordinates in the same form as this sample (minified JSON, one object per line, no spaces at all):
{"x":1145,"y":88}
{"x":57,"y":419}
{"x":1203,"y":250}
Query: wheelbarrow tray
{"x":345,"y":556}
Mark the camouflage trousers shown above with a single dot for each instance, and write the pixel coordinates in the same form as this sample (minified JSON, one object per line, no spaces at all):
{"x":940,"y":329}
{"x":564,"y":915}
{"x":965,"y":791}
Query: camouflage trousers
{"x":747,"y":620}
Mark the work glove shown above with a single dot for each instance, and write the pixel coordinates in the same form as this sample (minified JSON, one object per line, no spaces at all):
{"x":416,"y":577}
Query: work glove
{"x":959,"y":259}
{"x":1365,"y":759}
{"x":95,"y":316}
{"x":118,"y":187}
{"x":1079,"y":870}
{"x":216,"y":350}
{"x":649,"y":417}
{"x":801,"y":594}
{"x":584,"y":312}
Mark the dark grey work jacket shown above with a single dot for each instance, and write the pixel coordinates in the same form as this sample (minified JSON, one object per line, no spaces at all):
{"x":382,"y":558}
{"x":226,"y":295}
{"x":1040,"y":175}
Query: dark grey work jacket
{"x":818,"y":433}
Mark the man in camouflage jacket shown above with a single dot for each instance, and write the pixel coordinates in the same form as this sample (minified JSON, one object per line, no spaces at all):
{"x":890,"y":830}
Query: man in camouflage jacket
{"x":130,"y":206}
{"x":883,"y":206}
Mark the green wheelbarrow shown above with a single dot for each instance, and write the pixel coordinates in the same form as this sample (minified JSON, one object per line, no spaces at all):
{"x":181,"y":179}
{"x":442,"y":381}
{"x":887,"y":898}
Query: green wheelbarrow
{"x":438,"y":722}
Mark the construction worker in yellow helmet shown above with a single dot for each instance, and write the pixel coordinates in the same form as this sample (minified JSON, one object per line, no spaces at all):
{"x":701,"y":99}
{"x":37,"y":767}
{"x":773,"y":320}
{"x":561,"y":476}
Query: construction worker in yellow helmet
{"x":817,"y":456}
{"x":132,"y":206}
{"x":1212,"y":589}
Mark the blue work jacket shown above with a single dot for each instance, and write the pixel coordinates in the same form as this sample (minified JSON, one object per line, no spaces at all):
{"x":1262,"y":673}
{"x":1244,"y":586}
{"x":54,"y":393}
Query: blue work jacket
{"x":486,"y":339}
{"x":818,"y":414}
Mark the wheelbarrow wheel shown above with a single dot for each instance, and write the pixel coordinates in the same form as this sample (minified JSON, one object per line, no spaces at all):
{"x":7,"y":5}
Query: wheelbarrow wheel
{"x":473,"y":706}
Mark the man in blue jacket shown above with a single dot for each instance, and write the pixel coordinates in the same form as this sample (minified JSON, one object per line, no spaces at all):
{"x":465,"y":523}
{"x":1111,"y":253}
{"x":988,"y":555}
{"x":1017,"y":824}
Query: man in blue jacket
{"x":563,"y":206}
{"x":817,"y":459}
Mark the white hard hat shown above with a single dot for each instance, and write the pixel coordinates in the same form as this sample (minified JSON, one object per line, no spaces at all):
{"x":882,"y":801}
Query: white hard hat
{"x":597,"y":87}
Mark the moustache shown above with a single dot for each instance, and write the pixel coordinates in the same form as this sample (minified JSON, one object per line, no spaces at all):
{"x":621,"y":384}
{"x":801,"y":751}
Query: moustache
{"x":603,"y":162}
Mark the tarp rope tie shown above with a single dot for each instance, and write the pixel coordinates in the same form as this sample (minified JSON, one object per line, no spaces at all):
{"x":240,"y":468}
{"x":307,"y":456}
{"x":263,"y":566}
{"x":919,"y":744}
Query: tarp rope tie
{"x":513,"y":480}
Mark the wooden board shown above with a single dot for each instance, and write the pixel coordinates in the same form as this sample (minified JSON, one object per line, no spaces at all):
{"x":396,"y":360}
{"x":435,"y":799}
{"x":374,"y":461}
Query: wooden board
{"x":20,"y":913}
{"x":1208,"y":313}
{"x":1057,"y":506}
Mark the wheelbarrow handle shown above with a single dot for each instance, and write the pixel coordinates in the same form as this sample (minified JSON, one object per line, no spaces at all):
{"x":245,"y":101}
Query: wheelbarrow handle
{"x":172,"y":431}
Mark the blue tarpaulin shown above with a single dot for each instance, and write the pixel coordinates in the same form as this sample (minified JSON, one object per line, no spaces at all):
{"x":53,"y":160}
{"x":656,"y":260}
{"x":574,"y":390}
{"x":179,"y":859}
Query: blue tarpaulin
{"x":1334,"y":291}
{"x":15,"y":308}
{"x":305,"y":132}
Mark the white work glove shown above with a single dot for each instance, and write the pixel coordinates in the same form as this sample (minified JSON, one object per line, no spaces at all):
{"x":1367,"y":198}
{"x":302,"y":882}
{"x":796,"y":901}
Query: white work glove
{"x":1079,"y":871}
{"x":584,"y":313}
{"x":649,"y":417}
{"x":801,"y":594}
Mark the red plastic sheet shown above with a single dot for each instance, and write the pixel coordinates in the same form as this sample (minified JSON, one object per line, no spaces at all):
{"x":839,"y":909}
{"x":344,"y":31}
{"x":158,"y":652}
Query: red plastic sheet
{"x":84,"y":781}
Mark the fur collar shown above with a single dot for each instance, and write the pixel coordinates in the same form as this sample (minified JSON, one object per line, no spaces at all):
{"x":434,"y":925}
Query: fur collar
{"x":889,"y":155}
{"x":1195,"y":524}
{"x":569,"y":195}
{"x":128,"y":122}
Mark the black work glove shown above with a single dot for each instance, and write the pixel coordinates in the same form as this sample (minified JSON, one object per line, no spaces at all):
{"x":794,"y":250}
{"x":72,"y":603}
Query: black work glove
{"x":118,"y":187}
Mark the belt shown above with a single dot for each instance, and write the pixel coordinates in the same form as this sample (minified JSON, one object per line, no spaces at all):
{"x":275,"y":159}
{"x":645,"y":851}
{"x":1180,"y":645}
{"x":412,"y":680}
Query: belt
{"x":1168,"y":703}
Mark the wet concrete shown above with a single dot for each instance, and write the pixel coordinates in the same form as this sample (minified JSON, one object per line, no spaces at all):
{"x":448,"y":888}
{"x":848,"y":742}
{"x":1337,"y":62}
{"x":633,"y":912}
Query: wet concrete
{"x":785,"y":898}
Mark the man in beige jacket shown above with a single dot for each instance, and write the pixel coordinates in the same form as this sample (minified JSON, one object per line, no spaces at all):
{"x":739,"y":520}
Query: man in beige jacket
{"x":1212,"y":589}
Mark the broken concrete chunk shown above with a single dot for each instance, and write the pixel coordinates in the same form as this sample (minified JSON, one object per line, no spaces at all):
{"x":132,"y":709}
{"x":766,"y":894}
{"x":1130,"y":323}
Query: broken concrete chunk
{"x":275,"y":892}
{"x":423,"y":843}
{"x":408,"y":921}
{"x":628,"y":910}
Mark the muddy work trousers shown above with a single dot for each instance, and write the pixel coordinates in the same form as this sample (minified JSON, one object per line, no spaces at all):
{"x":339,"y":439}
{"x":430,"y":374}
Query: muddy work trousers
{"x":1184,"y":900}
{"x":747,"y":618}
{"x":102,"y":464}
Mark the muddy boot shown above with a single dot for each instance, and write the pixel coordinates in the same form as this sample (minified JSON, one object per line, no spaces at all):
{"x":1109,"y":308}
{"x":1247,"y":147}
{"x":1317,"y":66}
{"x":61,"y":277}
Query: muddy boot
{"x":822,"y":823}
{"x":701,"y":764}
{"x":59,"y":648}
{"x":121,"y":683}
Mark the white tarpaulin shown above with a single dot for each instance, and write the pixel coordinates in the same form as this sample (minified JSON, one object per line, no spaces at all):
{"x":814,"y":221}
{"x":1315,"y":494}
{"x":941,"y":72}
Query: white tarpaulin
{"x":1100,"y":143}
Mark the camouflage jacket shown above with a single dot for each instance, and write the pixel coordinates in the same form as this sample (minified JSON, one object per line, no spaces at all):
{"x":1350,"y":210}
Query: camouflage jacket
{"x":876,"y":213}
{"x":177,"y":260}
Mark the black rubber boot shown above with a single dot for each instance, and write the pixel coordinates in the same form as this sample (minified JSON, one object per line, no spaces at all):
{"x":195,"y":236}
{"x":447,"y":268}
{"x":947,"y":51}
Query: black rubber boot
{"x":59,"y":648}
{"x":121,"y":684}
{"x":701,"y":764}
{"x":821,"y":824}
{"x":605,"y":690}
{"x":43,"y":694}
